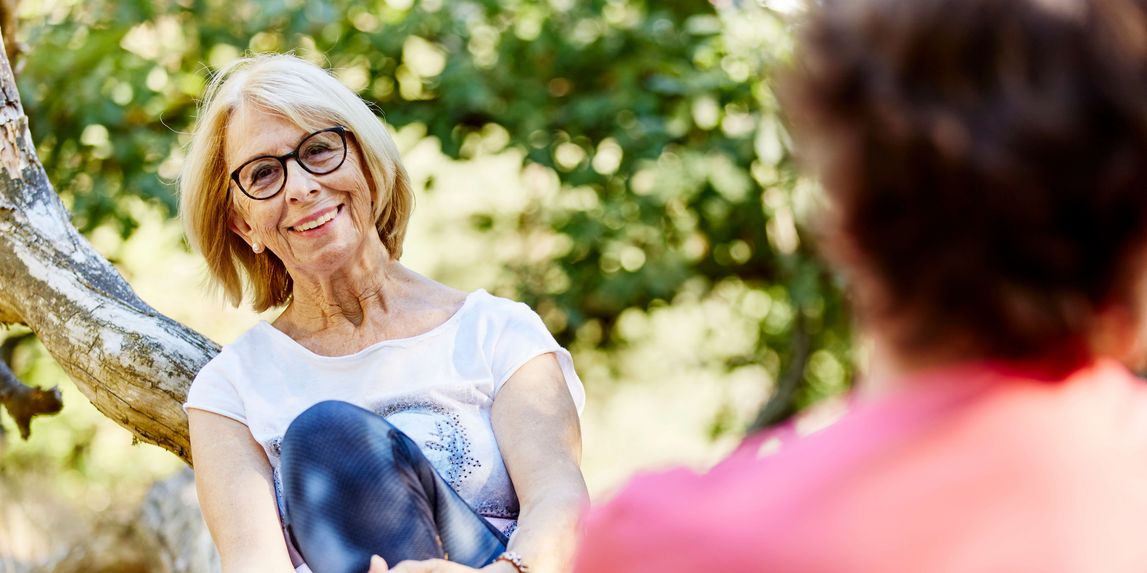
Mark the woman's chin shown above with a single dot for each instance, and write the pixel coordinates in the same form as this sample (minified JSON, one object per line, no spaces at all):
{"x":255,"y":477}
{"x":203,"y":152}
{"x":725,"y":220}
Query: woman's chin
{"x":328,"y":259}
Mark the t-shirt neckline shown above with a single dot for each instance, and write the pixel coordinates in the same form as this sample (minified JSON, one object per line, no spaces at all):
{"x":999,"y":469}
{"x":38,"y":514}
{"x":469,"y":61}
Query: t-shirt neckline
{"x":282,"y":336}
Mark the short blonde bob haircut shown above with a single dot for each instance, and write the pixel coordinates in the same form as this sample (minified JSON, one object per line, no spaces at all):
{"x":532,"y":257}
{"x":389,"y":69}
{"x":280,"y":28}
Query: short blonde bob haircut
{"x":313,"y":99}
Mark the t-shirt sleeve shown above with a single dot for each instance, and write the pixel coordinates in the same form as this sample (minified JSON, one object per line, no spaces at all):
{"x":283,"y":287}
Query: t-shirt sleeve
{"x":521,"y":336}
{"x":214,"y":391}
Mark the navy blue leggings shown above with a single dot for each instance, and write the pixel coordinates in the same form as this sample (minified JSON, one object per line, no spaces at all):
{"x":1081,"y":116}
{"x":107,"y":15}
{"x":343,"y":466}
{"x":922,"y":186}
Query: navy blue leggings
{"x":354,"y":485}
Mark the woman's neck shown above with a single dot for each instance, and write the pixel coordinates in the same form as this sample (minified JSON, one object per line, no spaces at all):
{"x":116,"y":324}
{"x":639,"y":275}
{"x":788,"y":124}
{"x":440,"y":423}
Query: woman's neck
{"x":346,"y":297}
{"x":887,"y":370}
{"x":882,"y":369}
{"x":887,"y":367}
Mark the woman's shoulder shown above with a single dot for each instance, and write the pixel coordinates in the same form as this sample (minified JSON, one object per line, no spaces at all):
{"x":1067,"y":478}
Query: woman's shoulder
{"x":260,"y":335}
{"x":499,"y":318}
{"x":428,"y":295}
{"x":255,"y":341}
{"x":420,"y":291}
{"x":490,"y":305}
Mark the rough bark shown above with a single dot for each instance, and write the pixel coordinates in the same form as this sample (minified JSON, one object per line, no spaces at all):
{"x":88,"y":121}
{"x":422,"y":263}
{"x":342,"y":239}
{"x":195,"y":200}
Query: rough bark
{"x":133,"y":363}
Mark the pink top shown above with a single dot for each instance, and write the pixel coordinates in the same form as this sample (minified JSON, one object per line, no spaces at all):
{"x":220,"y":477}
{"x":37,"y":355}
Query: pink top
{"x":975,"y":468}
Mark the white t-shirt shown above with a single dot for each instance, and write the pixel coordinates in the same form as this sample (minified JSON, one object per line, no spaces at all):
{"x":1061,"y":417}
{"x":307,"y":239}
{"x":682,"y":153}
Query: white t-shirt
{"x":437,"y":387}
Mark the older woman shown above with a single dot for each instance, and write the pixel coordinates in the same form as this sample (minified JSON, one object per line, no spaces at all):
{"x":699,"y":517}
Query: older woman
{"x":381,"y":412}
{"x":986,"y":165}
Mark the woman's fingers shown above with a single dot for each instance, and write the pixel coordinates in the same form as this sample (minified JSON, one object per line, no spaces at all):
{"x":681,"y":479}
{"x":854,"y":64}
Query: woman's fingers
{"x":428,"y":566}
{"x":378,"y":565}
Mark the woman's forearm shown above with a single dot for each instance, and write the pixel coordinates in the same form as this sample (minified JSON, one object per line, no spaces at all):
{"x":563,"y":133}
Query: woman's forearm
{"x":235,"y":487}
{"x":548,"y":529}
{"x":539,"y":434}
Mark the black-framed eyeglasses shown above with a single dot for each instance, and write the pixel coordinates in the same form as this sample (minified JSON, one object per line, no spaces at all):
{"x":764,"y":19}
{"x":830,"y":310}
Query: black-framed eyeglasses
{"x":318,"y":153}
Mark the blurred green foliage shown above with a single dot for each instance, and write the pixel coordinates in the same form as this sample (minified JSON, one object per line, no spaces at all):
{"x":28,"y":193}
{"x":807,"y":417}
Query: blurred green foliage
{"x":655,"y":119}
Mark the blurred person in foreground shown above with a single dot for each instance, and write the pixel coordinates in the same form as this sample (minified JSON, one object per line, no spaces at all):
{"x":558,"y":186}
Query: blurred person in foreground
{"x":381,"y":412}
{"x":985,"y":163}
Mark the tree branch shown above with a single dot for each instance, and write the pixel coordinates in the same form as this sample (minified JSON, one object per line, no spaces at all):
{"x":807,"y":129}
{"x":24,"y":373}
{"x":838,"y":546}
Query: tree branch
{"x":24,"y":402}
{"x":133,"y":363}
{"x":781,"y":405}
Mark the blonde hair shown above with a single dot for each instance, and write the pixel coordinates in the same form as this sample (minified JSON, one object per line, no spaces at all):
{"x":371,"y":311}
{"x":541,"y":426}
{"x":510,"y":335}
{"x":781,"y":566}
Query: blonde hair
{"x":313,"y":99}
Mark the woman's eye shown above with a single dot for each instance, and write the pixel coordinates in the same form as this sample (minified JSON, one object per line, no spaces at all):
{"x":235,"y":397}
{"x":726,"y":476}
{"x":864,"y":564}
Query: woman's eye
{"x":263,"y":173}
{"x":317,"y":149}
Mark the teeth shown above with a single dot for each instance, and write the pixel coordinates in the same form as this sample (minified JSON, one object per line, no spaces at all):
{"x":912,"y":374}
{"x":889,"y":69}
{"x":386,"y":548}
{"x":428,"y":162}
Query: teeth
{"x":318,"y":222}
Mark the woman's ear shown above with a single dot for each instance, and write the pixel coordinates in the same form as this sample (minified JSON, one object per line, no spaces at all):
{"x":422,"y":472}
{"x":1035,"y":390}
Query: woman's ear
{"x":1116,"y":333}
{"x":239,"y":226}
{"x":1120,"y":330}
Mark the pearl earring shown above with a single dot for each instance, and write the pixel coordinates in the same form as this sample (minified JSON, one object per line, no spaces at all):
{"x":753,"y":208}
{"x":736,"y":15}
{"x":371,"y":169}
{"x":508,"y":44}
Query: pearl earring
{"x":256,"y":247}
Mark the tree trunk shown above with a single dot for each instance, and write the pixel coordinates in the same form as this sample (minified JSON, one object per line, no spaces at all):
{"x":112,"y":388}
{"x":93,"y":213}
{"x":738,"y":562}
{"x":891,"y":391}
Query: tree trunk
{"x":166,"y":535}
{"x":133,"y":363}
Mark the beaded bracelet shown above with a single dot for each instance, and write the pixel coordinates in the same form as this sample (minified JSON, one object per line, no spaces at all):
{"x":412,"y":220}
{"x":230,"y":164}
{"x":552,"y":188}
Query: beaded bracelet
{"x":515,"y":560}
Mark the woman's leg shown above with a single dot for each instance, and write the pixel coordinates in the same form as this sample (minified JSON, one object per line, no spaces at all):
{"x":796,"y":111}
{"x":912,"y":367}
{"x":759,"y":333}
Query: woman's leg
{"x":354,"y":486}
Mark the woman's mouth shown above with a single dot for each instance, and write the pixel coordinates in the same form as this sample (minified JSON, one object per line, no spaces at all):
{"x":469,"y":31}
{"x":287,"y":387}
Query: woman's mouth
{"x":318,"y":222}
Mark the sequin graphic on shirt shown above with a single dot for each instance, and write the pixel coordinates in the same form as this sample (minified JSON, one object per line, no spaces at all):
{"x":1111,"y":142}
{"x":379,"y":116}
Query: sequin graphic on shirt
{"x":446,"y":445}
{"x":275,"y":449}
{"x":500,"y":507}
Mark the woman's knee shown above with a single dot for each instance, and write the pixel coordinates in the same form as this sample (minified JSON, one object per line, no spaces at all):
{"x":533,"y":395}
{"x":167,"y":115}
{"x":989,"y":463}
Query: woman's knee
{"x":334,"y":425}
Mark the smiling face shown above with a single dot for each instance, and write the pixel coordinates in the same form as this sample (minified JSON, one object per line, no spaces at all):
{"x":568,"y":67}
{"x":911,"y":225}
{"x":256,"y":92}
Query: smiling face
{"x":317,"y":223}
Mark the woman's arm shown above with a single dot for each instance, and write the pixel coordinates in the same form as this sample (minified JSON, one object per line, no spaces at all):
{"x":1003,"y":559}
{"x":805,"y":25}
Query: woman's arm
{"x":539,"y":434}
{"x":237,"y":495}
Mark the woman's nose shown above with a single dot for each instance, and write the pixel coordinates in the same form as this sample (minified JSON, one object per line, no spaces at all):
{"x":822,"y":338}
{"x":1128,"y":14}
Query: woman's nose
{"x":300,"y":183}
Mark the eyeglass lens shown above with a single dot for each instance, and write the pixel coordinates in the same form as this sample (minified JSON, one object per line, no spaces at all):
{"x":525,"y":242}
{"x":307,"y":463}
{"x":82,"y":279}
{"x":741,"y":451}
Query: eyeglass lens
{"x":320,"y":153}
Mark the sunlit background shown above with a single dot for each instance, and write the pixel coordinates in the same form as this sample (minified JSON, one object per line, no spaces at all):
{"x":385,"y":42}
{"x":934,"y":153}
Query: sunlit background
{"x":619,"y":165}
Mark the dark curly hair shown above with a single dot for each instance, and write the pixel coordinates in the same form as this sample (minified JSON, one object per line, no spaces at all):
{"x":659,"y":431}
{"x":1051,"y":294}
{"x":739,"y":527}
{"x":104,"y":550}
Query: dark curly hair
{"x":986,"y":162}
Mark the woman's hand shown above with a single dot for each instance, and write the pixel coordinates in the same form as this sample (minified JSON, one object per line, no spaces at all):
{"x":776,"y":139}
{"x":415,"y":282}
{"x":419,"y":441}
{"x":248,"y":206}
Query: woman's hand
{"x":378,"y":565}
